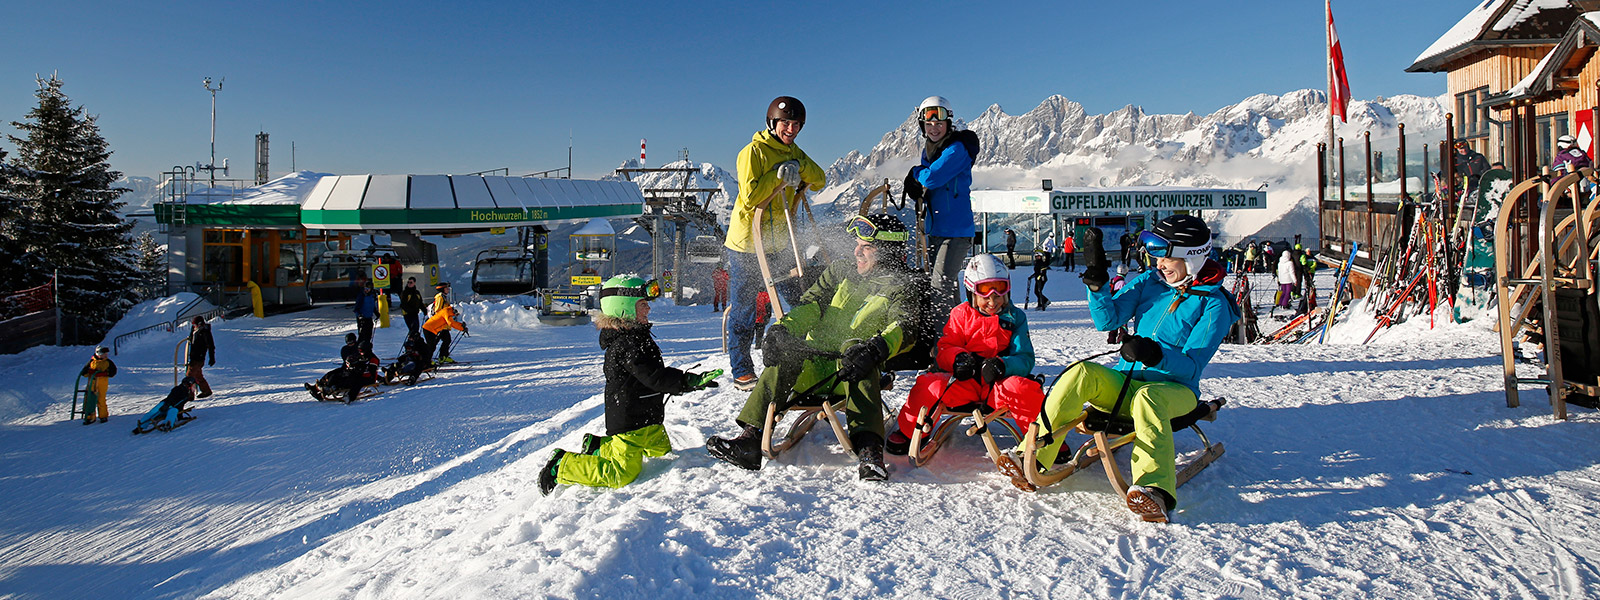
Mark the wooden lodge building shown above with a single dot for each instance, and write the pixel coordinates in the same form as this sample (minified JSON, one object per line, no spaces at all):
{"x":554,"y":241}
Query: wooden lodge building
{"x":1520,"y":73}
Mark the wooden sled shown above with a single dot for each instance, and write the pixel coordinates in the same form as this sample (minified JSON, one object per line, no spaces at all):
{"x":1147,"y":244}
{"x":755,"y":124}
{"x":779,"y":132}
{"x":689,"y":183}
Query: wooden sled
{"x":760,"y":248}
{"x":1117,"y":433}
{"x":933,"y":431}
{"x":825,"y":410}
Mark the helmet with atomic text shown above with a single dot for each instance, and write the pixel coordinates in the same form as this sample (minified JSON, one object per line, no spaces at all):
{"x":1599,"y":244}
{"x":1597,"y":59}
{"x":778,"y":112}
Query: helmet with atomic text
{"x":1179,"y":236}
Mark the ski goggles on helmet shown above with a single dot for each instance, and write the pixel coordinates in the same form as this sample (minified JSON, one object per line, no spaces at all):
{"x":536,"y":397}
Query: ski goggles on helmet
{"x":1158,"y":247}
{"x":649,"y":290}
{"x":992,"y":287}
{"x":934,"y":113}
{"x":863,"y":229}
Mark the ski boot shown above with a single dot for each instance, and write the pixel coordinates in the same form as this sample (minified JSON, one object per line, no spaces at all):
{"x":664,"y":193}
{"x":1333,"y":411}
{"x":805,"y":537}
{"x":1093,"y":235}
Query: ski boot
{"x":1151,"y":504}
{"x":869,"y":457}
{"x":315,"y":391}
{"x":744,"y":383}
{"x":743,"y":451}
{"x":547,"y":475}
{"x":897,"y":444}
{"x":591,"y":444}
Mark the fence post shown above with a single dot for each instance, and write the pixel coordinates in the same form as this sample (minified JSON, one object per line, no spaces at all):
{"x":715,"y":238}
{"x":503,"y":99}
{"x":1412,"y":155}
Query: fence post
{"x":55,"y":301}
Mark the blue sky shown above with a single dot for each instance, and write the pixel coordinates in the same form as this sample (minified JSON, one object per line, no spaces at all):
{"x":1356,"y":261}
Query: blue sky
{"x":414,"y":87}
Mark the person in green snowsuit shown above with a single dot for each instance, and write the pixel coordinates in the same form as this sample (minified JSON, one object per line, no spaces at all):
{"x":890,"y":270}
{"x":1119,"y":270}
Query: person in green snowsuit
{"x":839,"y":335}
{"x":637,"y":385}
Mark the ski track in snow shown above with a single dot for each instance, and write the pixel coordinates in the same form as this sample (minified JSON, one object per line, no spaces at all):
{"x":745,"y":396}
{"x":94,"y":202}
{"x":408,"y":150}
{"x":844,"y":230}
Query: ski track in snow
{"x":1388,"y":470}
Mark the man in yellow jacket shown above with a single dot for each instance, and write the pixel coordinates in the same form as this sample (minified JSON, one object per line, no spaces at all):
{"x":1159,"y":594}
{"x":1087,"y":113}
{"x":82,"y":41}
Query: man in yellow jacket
{"x":100,"y":370}
{"x":436,"y":331}
{"x":771,"y":161}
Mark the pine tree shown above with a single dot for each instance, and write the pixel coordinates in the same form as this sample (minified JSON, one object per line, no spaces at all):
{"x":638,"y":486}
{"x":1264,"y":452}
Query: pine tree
{"x":11,"y":277}
{"x":152,"y":263}
{"x":67,"y":218}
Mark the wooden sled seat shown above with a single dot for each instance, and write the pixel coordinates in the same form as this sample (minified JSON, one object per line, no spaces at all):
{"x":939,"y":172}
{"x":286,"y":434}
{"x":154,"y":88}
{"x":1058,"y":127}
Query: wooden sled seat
{"x":809,"y":410}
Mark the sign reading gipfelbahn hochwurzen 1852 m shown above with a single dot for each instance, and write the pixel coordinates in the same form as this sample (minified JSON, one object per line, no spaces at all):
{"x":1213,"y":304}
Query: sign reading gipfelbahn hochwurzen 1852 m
{"x":1139,"y":201}
{"x":1116,"y":200}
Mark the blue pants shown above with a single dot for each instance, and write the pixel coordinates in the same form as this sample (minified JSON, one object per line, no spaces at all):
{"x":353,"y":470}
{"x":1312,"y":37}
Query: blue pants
{"x":744,"y":283}
{"x":161,"y":412}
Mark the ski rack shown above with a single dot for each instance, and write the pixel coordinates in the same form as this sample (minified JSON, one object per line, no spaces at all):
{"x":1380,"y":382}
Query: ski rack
{"x":935,"y":429}
{"x":1541,"y":278}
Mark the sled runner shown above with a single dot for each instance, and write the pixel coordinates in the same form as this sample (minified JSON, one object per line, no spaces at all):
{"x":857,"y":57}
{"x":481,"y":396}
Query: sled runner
{"x":1111,"y":432}
{"x":341,"y":395}
{"x":143,"y":428}
{"x":934,"y":430}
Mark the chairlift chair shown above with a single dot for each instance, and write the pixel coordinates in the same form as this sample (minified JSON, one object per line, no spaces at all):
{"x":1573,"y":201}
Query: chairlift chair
{"x":705,"y":249}
{"x":503,"y":271}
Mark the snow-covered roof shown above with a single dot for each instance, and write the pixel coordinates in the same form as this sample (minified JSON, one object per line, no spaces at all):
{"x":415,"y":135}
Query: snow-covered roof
{"x":1542,"y":78}
{"x":456,"y":202}
{"x":1494,"y":20}
{"x":596,"y":227}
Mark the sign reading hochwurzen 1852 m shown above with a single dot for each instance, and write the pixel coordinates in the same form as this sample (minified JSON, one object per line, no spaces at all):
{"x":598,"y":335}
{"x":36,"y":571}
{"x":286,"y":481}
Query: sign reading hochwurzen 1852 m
{"x":1116,"y":200}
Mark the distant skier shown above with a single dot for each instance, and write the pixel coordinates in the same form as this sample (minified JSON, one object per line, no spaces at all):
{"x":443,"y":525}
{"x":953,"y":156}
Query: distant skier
{"x":1569,"y":158}
{"x":436,"y":331}
{"x":985,"y":355}
{"x":1469,"y":165}
{"x":860,"y":307}
{"x":1041,"y":274}
{"x":100,"y":370}
{"x":1286,"y":281}
{"x":1181,"y":314}
{"x":719,"y":288}
{"x":366,"y":308}
{"x":201,"y":346}
{"x":1126,"y":244}
{"x":1047,"y":249}
{"x":637,"y":385}
{"x":770,"y":161}
{"x":942,"y":182}
{"x":1069,"y":251}
{"x":1011,"y":249}
{"x":411,"y":306}
{"x":171,"y":411}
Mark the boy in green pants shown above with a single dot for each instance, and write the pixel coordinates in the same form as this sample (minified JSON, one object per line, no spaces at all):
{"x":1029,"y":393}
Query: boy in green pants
{"x":637,"y":385}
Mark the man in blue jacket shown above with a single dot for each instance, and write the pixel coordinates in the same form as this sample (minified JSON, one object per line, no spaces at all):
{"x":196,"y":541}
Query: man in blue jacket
{"x":942,"y":183}
{"x":1180,"y":314}
{"x":366,"y":308}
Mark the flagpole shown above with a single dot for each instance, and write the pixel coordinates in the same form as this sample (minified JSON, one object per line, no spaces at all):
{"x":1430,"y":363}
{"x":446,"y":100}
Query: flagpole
{"x":1327,"y":57}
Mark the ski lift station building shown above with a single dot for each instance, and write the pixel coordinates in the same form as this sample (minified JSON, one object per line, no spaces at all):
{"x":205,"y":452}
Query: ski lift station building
{"x":294,"y":241}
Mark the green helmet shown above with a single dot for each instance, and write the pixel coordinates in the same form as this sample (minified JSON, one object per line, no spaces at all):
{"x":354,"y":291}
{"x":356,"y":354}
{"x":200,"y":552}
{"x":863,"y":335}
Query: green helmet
{"x":620,"y":295}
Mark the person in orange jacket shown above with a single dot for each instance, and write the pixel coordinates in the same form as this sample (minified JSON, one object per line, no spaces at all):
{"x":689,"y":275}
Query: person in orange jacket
{"x":100,"y":370}
{"x":985,"y":356}
{"x":436,"y":331}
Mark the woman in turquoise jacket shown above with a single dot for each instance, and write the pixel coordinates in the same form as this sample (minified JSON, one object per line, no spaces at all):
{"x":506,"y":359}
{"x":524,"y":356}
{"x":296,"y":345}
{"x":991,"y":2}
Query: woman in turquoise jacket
{"x":1180,"y":314}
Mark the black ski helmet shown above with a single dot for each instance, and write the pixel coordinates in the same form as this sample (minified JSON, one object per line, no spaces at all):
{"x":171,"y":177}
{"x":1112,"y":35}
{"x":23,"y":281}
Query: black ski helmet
{"x":187,"y":381}
{"x":1186,"y":231}
{"x":350,"y":338}
{"x":787,"y":108}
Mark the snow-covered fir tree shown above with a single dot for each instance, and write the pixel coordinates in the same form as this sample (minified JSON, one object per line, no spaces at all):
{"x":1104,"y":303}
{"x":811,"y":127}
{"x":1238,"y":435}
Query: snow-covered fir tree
{"x":67,"y":219}
{"x":152,"y":261}
{"x":10,"y":250}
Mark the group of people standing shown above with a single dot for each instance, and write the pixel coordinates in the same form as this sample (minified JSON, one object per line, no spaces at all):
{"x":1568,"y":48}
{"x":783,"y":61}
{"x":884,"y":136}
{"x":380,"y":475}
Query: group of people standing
{"x":870,"y":315}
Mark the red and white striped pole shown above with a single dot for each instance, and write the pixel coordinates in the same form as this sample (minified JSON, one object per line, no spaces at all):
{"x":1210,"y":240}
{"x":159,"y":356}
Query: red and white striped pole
{"x":641,"y":152}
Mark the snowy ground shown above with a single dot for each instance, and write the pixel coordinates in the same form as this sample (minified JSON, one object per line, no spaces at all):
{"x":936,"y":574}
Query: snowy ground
{"x":1385,"y":471}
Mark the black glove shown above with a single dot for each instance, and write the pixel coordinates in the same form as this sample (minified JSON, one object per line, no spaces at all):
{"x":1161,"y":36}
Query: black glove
{"x":993,"y":370}
{"x":1094,"y":260}
{"x":862,"y":359}
{"x":965,"y":366}
{"x":779,"y":346}
{"x":1141,"y":349}
{"x":213,"y":362}
{"x":914,"y":187}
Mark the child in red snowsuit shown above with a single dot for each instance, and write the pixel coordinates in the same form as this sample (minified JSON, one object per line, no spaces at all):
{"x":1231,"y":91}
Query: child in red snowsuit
{"x":985,"y":354}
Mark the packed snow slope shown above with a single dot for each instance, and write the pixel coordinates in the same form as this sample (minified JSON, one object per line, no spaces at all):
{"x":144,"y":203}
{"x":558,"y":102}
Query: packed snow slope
{"x":1385,"y":471}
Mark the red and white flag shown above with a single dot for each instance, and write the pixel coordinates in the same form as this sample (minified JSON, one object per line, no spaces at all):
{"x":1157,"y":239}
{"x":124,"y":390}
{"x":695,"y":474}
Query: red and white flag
{"x":1338,"y":83}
